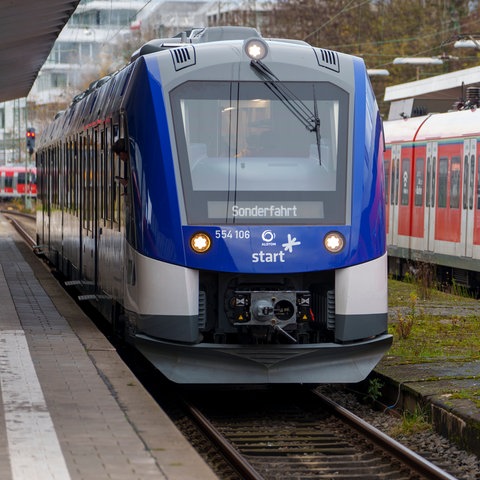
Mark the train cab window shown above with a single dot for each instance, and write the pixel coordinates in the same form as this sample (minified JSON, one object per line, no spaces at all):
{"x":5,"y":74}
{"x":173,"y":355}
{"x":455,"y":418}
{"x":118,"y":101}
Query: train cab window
{"x":246,"y":158}
{"x":405,"y":181}
{"x":419,"y":181}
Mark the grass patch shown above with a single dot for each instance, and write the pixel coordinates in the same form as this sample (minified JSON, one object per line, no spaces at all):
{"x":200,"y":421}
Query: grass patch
{"x":472,"y":394}
{"x":423,"y":336}
{"x":399,"y":294}
{"x":433,"y":337}
{"x":412,"y":422}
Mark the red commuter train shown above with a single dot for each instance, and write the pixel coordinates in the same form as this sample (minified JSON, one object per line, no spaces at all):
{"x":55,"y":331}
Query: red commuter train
{"x":17,"y":181}
{"x":432,"y":170}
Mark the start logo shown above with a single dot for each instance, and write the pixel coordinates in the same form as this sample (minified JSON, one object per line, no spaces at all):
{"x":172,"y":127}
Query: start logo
{"x":274,"y":257}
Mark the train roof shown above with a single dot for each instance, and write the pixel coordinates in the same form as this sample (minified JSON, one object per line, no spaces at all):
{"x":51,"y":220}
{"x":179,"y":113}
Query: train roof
{"x":109,"y":94}
{"x":403,"y":130}
{"x":462,"y":123}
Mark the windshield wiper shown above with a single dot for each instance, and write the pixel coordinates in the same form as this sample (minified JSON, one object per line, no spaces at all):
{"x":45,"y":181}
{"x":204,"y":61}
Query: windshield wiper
{"x":310,"y":120}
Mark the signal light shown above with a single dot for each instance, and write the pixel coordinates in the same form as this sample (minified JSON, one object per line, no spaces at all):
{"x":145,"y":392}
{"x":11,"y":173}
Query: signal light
{"x":30,"y":140}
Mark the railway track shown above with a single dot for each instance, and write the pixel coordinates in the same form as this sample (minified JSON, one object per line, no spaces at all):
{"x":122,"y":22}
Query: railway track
{"x":276,"y":435}
{"x":24,"y":223}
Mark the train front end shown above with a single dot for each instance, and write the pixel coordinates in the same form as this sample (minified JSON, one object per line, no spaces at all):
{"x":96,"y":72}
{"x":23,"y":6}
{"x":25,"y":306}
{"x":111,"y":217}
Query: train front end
{"x":259,"y":251}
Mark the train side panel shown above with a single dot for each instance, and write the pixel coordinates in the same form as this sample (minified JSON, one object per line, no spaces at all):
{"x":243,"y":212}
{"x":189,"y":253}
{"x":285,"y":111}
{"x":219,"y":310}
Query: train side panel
{"x":442,"y":151}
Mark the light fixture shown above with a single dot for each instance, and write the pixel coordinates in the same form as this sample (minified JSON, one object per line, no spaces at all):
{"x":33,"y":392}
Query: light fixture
{"x":334,"y":242}
{"x":255,"y":48}
{"x":200,"y":242}
{"x":378,"y":72}
{"x":417,"y":61}
{"x":470,"y":42}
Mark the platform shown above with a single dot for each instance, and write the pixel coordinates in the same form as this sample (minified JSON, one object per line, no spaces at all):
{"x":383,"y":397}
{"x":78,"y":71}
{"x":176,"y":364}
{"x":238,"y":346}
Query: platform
{"x":69,"y":407}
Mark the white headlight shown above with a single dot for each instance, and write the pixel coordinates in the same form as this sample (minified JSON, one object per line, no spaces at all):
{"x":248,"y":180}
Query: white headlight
{"x":334,"y":242}
{"x":200,"y":242}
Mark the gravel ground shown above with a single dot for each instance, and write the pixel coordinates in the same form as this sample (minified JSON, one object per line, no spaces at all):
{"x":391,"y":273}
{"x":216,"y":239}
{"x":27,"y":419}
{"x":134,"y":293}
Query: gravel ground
{"x":427,"y":443}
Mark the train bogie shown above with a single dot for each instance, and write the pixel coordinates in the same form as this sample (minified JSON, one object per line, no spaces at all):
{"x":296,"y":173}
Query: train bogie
{"x":231,"y":214}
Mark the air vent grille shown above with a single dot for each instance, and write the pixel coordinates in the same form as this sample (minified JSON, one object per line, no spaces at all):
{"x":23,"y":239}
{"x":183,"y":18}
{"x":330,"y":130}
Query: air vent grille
{"x":328,"y":59}
{"x":331,"y":310}
{"x":202,"y":310}
{"x":183,"y":57}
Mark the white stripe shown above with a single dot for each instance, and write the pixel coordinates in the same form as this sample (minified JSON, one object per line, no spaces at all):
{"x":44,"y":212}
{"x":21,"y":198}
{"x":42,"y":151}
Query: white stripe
{"x":33,"y":445}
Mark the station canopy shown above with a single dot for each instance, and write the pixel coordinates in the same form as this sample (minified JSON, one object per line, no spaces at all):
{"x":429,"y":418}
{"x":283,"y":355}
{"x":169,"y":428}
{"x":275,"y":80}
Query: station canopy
{"x":28,"y":30}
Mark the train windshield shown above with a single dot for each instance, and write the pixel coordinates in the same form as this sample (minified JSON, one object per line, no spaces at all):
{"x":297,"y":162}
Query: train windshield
{"x":247,"y":158}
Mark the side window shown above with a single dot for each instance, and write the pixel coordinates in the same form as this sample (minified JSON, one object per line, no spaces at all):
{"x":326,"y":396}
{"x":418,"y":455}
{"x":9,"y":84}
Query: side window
{"x":471,"y":182}
{"x":419,"y":181}
{"x":108,"y":177}
{"x":392,"y":182}
{"x":116,"y":175}
{"x":396,"y":181}
{"x":465,"y":182}
{"x":442,"y":182}
{"x":455,"y":183}
{"x":386,"y":171}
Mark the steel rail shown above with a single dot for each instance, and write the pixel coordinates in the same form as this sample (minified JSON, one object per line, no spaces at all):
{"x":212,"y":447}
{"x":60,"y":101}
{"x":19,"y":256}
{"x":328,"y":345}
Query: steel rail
{"x":230,"y":452}
{"x":19,"y":227}
{"x":417,"y":463}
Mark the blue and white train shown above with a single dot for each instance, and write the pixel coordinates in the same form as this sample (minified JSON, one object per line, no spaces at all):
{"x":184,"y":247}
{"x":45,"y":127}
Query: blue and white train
{"x":220,"y":200}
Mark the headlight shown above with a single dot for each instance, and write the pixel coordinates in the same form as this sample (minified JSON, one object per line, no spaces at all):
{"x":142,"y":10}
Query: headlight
{"x":255,"y":48}
{"x":334,"y":242}
{"x":200,"y":242}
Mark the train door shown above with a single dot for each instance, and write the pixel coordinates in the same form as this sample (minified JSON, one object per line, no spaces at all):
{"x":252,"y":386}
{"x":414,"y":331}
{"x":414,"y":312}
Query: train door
{"x":469,"y":154}
{"x":43,"y":214}
{"x":47,"y":209}
{"x":95,"y":150}
{"x":394,"y":184}
{"x":430,"y":192}
{"x":387,"y":170}
{"x":88,"y":224}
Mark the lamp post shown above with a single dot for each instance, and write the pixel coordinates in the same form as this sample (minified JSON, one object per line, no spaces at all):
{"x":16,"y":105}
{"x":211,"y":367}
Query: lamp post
{"x":418,"y":62}
{"x":377,"y":72}
{"x":468,"y":41}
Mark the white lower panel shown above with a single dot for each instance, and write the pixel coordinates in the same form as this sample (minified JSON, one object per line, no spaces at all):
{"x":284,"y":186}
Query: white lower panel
{"x":362,"y":289}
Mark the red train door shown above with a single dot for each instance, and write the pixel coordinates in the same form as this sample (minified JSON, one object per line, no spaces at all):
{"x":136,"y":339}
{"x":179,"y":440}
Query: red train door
{"x":387,"y":171}
{"x":469,"y":154}
{"x":394,"y":187}
{"x":448,"y":211}
{"x":476,"y":206}
{"x":430,"y":195}
{"x":418,"y":197}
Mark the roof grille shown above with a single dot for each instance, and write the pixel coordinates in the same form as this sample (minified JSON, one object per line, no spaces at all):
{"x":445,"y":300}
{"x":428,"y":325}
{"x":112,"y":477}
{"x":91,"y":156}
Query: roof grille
{"x":183,"y":57}
{"x":328,"y":59}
